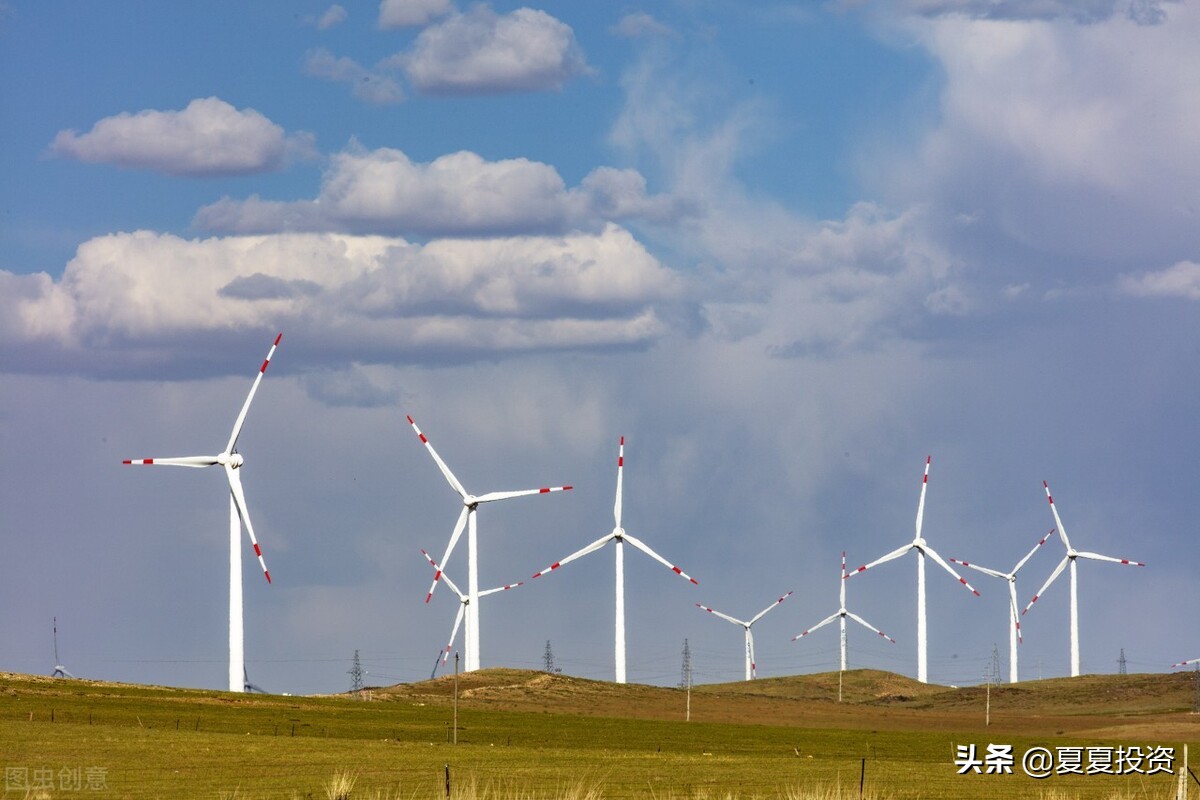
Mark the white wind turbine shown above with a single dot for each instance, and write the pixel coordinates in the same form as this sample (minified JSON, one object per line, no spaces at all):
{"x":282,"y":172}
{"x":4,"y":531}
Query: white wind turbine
{"x":464,"y":601}
{"x":232,"y":461}
{"x":1014,"y":628}
{"x":466,"y":518}
{"x":841,"y":615}
{"x":923,"y":549}
{"x":751,"y":665}
{"x":619,"y":536}
{"x":1069,"y":558}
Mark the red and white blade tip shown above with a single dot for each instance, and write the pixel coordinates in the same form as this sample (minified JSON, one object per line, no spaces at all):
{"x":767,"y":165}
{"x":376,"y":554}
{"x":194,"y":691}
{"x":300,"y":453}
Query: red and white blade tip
{"x":547,"y":570}
{"x":683,"y":574}
{"x":138,"y":461}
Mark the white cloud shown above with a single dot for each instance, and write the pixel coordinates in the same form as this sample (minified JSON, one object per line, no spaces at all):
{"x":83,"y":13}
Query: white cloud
{"x":1083,"y":136}
{"x":209,"y":137}
{"x":409,"y":13}
{"x":334,"y":15}
{"x":383,"y":191}
{"x":1180,"y":280}
{"x":374,"y":297}
{"x":639,"y":24}
{"x":481,"y":52}
{"x":371,"y":86}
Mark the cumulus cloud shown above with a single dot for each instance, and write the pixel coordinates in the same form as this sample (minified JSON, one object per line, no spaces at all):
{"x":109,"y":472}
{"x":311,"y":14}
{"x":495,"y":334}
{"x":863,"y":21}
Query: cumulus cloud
{"x":409,"y":13}
{"x":1063,"y":142}
{"x":482,"y":52}
{"x":367,"y":298}
{"x":333,"y":16}
{"x":383,"y":191}
{"x":371,"y":86}
{"x":1180,"y":280}
{"x":208,"y":138}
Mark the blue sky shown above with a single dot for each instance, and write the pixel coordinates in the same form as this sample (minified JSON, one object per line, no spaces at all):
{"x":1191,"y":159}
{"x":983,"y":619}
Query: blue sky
{"x":787,"y":251}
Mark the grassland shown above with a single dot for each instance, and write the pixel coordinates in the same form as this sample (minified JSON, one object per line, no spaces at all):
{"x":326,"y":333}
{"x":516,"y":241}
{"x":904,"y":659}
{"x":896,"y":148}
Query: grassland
{"x":533,"y":735}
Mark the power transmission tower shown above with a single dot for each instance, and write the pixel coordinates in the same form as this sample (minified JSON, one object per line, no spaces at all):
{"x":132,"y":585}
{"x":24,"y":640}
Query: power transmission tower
{"x":548,"y":658}
{"x":1121,"y":663}
{"x":685,"y":673}
{"x":356,"y":675}
{"x":995,"y":678}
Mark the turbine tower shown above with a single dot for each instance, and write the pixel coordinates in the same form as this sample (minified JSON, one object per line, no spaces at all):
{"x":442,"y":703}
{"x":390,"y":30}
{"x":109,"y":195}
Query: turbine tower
{"x":619,"y":536}
{"x":59,"y":670}
{"x":841,"y":615}
{"x":1014,"y":628}
{"x":1069,"y":558}
{"x":923,"y":549}
{"x":466,"y":518}
{"x":464,"y":602}
{"x":232,"y":461}
{"x":751,"y":665}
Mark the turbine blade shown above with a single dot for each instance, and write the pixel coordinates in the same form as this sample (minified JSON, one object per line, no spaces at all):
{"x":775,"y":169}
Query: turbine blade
{"x":1185,"y":663}
{"x":1029,"y":555}
{"x":501,"y":588}
{"x":453,"y":481}
{"x":620,"y":474}
{"x":1057,"y":571}
{"x":819,"y":625}
{"x":1012,"y":607}
{"x":722,"y":616}
{"x":458,"y":529}
{"x":977,"y":568}
{"x":491,"y":496}
{"x":921,"y":502}
{"x":640,"y":545}
{"x":184,"y":461}
{"x":239,"y":498}
{"x":443,"y":575}
{"x":1098,"y":557}
{"x":458,"y":618}
{"x":241,"y":418}
{"x":899,"y":551}
{"x":929,"y":551}
{"x":762,"y":613}
{"x":1057,"y":520}
{"x":591,"y":548}
{"x":868,"y":625}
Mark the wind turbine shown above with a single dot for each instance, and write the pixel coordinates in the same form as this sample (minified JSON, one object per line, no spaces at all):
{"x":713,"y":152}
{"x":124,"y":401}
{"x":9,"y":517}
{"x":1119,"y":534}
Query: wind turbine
{"x":619,"y":536}
{"x":751,"y":665}
{"x":59,"y":670}
{"x":1069,"y":558}
{"x":841,"y":615}
{"x":1014,"y":630}
{"x":923,"y":549}
{"x":466,"y":518}
{"x":232,"y":461}
{"x":464,"y":601}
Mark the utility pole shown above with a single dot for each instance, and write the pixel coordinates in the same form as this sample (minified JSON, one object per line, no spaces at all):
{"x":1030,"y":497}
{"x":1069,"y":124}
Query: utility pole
{"x":356,"y":676}
{"x":685,"y":673}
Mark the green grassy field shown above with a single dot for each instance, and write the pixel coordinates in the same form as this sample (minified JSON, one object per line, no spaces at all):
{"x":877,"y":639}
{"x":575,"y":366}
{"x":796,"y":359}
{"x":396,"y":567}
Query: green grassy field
{"x":531,"y":735}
